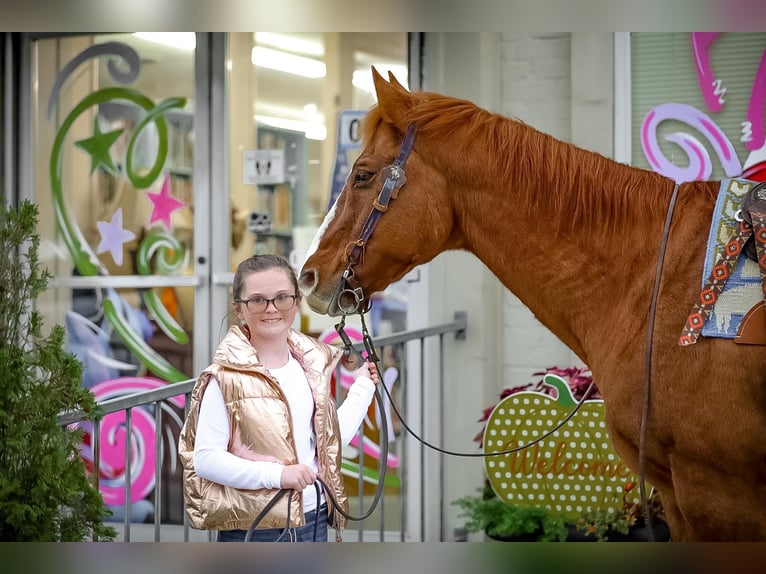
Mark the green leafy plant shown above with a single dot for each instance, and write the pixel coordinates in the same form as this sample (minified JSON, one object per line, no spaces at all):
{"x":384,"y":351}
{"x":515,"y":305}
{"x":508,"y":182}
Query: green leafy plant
{"x":487,"y":513}
{"x":604,"y":523}
{"x":45,"y":493}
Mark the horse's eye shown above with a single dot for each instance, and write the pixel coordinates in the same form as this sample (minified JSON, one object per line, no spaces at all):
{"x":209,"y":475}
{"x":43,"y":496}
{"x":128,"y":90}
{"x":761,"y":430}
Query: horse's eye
{"x":361,"y":177}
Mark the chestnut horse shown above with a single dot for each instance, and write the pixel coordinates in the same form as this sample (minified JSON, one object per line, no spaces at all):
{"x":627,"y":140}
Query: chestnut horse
{"x":577,"y":237}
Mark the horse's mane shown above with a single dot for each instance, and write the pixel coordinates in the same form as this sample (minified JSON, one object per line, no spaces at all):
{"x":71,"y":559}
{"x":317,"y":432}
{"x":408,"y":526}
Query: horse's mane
{"x":601,"y":192}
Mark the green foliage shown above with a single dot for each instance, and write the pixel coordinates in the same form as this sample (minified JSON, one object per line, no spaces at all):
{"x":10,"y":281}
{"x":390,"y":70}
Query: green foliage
{"x":601,"y":522}
{"x":45,"y":493}
{"x":487,"y":513}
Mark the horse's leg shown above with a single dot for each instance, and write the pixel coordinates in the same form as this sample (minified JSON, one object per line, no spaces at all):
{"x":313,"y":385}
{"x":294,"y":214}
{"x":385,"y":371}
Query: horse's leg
{"x":679,"y":529}
{"x":721,"y":506}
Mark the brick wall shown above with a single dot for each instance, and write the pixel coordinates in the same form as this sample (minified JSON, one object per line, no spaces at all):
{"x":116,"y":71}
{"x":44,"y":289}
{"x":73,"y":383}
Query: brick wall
{"x":536,"y":89}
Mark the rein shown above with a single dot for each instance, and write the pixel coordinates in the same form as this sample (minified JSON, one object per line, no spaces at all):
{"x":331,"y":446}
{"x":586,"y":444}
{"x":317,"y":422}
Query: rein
{"x":370,"y":350}
{"x":648,"y":370}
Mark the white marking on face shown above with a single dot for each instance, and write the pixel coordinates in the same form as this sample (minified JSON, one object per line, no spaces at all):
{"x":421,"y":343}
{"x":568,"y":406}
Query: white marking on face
{"x":320,"y":232}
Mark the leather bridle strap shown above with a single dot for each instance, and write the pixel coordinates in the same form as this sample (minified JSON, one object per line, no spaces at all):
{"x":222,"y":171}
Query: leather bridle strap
{"x":395,"y":178}
{"x":647,"y":384}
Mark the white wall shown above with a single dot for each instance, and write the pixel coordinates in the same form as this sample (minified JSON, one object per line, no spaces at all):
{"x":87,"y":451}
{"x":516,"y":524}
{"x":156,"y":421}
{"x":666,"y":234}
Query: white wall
{"x":536,"y":88}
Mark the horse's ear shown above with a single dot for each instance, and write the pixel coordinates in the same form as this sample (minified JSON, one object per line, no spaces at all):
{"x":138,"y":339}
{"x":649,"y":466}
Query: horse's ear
{"x":394,"y":81}
{"x":394,"y":101}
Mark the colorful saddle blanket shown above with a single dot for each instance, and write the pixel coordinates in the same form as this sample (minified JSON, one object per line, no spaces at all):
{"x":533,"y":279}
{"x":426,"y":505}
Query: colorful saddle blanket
{"x":743,"y":287}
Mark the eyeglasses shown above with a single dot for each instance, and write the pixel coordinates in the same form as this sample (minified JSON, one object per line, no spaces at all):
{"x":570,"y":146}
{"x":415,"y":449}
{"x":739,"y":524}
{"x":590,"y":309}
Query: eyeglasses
{"x":259,"y":304}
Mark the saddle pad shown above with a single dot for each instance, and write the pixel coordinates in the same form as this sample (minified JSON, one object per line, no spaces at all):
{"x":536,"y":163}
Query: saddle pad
{"x":743,"y":287}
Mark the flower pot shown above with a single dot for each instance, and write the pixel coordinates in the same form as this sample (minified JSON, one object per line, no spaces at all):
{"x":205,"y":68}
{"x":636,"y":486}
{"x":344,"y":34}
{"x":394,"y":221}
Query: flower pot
{"x":637,"y":533}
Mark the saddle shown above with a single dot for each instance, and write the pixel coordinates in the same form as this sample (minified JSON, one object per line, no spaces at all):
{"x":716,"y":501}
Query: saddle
{"x":749,"y":238}
{"x":752,"y":330}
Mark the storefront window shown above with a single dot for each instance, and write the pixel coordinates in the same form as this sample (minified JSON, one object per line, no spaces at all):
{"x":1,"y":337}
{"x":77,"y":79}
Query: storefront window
{"x":116,"y":153}
{"x":698,"y":104}
{"x":286,"y":93}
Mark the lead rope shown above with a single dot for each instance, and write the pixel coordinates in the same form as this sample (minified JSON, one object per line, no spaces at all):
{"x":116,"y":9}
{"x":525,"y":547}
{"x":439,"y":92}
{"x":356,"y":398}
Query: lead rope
{"x":334,"y":505}
{"x":370,"y":349}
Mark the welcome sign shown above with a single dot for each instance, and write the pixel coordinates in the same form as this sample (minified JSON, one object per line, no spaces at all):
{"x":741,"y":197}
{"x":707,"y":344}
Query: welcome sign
{"x":572,"y":471}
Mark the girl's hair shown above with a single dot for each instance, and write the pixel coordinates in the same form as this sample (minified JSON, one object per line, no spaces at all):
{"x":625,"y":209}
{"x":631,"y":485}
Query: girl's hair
{"x":261,"y":263}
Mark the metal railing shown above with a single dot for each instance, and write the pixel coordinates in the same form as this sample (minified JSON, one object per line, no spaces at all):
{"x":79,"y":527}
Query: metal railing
{"x":393,"y":349}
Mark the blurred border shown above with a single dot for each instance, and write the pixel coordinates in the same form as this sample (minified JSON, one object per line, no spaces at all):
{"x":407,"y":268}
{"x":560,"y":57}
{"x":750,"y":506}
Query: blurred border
{"x":378,"y":16}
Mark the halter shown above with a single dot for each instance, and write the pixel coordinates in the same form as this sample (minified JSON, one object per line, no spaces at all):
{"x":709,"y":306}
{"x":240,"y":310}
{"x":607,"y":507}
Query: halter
{"x":351,"y":290}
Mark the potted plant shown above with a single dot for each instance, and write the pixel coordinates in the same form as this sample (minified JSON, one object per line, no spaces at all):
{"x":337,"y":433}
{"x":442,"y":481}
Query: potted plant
{"x":486,"y":513}
{"x":624,"y":524}
{"x":623,"y":520}
{"x":45,"y":493}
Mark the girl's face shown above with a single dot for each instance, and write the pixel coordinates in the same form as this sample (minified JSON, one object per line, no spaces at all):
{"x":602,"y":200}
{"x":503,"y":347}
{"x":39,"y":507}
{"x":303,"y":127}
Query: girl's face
{"x":272,"y":303}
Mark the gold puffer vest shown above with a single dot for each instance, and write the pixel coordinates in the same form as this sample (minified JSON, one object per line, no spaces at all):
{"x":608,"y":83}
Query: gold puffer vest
{"x":251,"y":395}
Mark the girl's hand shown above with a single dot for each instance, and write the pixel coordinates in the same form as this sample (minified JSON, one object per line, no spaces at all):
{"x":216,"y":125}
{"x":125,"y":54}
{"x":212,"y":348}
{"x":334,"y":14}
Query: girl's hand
{"x":297,"y":477}
{"x":369,"y":370}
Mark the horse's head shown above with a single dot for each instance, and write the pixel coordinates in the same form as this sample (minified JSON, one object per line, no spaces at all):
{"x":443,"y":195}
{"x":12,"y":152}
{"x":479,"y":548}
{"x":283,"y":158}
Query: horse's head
{"x":392,"y":214}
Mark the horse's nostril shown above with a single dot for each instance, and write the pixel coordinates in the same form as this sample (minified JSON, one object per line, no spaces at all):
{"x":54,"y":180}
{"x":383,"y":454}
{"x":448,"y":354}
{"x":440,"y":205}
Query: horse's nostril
{"x":307,"y":281}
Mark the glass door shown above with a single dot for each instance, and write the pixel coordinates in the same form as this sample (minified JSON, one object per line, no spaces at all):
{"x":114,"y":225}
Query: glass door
{"x":114,"y":172}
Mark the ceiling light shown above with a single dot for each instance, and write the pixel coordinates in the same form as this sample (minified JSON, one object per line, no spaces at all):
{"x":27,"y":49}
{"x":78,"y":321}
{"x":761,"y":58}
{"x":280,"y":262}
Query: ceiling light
{"x":289,"y":63}
{"x":313,"y":131}
{"x":290,"y":43}
{"x":179,"y":40}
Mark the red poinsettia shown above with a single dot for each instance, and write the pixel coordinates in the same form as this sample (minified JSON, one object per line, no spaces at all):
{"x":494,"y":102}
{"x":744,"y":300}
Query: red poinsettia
{"x":579,"y":380}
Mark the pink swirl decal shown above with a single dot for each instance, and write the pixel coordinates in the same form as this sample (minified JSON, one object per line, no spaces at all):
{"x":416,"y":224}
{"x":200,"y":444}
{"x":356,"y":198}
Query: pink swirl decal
{"x":113,"y":442}
{"x":331,"y":337}
{"x":700,"y":44}
{"x":753,"y":129}
{"x":373,"y":450}
{"x":700,"y":166}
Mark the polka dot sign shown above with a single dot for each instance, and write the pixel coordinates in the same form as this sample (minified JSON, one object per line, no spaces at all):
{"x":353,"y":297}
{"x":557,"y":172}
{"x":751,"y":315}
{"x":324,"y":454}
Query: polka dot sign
{"x":573,"y":470}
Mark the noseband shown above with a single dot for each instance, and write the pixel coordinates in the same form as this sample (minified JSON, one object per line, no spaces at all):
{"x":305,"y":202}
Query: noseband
{"x":352,"y":296}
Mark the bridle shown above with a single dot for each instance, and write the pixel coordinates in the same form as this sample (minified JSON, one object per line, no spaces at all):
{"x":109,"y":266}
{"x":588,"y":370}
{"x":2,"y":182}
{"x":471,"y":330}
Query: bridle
{"x":351,"y":296}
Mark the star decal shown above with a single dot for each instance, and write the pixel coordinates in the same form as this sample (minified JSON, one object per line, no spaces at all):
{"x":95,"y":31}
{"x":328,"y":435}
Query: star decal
{"x":113,"y":236}
{"x":164,"y":204}
{"x":97,"y":146}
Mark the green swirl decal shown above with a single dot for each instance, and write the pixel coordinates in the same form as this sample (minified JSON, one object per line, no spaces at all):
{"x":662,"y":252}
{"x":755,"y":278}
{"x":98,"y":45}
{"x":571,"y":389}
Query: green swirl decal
{"x":171,"y":258}
{"x":138,"y":346}
{"x":154,"y":115}
{"x":82,"y":255}
{"x":85,"y":261}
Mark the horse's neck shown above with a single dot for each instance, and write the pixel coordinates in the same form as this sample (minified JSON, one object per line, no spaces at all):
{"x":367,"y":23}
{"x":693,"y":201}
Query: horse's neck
{"x":539,"y":233}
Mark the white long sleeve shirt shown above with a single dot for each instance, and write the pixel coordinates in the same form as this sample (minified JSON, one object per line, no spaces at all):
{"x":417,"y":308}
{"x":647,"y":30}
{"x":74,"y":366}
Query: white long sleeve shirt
{"x":213,"y":461}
